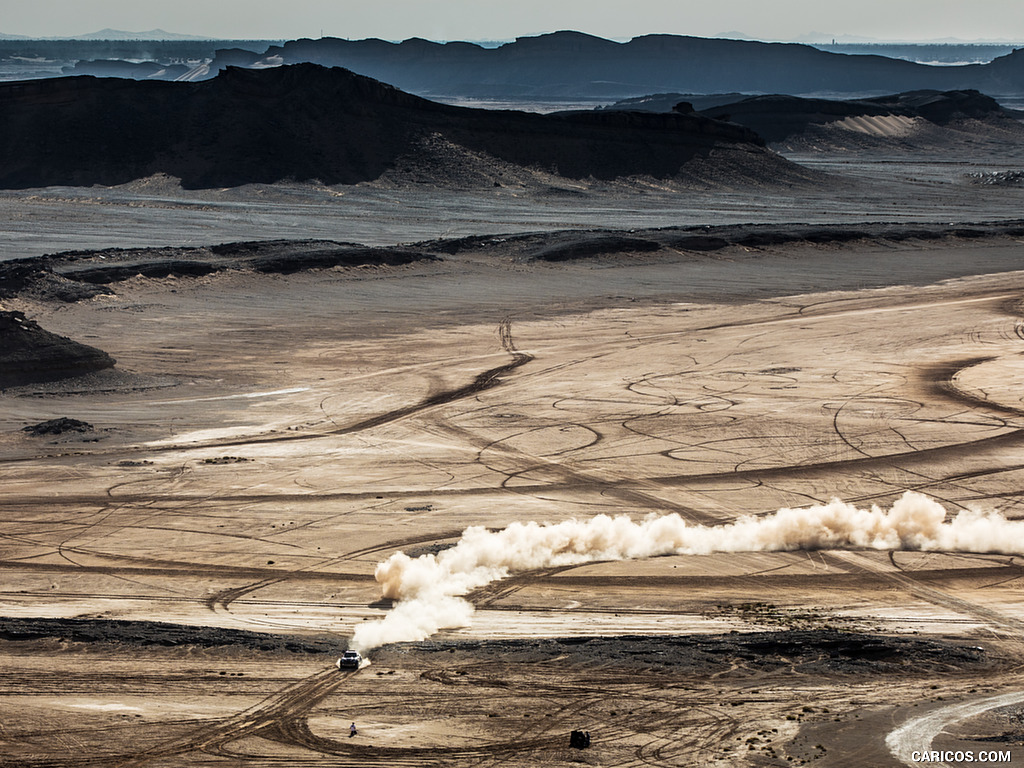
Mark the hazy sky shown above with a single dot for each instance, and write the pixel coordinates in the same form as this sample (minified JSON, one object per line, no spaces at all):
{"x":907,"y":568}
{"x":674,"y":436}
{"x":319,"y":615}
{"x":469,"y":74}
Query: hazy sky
{"x":505,"y":19}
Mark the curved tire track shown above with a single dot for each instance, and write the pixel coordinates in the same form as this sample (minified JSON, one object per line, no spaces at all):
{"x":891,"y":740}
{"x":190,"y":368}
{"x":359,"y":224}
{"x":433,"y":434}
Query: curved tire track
{"x":917,"y":735}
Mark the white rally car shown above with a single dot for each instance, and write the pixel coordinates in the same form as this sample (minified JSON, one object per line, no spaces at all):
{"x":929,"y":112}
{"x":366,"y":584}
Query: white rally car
{"x":350,"y":660}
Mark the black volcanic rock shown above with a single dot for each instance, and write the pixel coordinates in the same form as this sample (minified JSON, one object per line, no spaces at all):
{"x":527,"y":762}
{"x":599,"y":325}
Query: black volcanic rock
{"x":29,"y":354}
{"x":58,"y":426}
{"x":307,"y":122}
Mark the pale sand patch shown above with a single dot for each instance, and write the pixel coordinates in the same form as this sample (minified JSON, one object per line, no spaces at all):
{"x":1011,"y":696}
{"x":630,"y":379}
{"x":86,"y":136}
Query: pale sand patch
{"x":888,"y":126}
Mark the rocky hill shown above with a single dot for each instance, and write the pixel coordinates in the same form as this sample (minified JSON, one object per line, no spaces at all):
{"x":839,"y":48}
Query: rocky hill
{"x":911,"y":122}
{"x":30,"y":354}
{"x":307,"y":122}
{"x":776,"y":118}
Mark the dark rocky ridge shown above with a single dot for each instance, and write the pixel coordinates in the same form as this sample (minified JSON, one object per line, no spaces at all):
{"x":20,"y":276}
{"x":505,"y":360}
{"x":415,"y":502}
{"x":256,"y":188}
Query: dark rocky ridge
{"x":575,"y":65}
{"x":667,"y":102}
{"x":73,"y":275}
{"x":133,"y":70}
{"x":576,"y":244}
{"x":777,"y":117}
{"x":29,"y":354}
{"x":307,"y":122}
{"x":162,"y":51}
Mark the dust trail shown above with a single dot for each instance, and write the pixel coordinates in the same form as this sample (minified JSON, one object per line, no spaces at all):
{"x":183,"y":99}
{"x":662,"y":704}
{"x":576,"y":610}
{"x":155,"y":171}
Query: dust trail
{"x":428,"y":589}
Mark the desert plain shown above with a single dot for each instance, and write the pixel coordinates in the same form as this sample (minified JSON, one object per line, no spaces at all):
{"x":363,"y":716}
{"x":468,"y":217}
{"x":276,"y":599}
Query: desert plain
{"x":180,"y":578}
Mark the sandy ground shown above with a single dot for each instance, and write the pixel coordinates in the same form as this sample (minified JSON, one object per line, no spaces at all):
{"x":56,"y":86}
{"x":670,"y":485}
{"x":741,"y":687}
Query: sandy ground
{"x":266,"y":440}
{"x":260,"y":450}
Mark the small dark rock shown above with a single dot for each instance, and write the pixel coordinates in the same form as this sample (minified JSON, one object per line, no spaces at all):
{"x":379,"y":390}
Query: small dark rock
{"x":30,"y":354}
{"x":59,"y":426}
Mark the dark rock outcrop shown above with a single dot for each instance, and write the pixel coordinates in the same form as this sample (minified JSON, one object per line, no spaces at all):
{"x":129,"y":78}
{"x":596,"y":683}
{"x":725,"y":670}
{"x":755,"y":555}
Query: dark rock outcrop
{"x":778,"y":117}
{"x":76,"y":275}
{"x":307,"y":122}
{"x":667,"y":102}
{"x":58,"y":426}
{"x":61,"y":276}
{"x":29,"y":354}
{"x":154,"y":633}
{"x":571,"y":245}
{"x":134,"y":70}
{"x":944,"y":107}
{"x":65,"y":275}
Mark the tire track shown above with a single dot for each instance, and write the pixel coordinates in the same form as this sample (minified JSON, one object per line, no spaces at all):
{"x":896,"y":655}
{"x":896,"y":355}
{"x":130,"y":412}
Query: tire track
{"x":481,"y":382}
{"x":917,"y":735}
{"x":290,"y":702}
{"x":485,"y":596}
{"x":1010,"y":628}
{"x":220,"y":601}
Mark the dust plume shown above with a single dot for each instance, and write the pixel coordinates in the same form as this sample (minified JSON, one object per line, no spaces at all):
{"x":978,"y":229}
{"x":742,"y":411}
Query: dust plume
{"x":428,"y":589}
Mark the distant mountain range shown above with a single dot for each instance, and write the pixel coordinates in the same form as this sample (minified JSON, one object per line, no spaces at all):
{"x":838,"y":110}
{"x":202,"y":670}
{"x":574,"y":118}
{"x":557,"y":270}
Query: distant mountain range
{"x":152,"y":34}
{"x":114,"y":34}
{"x":575,"y":65}
{"x":814,"y":38}
{"x":811,"y":38}
{"x":558,"y":67}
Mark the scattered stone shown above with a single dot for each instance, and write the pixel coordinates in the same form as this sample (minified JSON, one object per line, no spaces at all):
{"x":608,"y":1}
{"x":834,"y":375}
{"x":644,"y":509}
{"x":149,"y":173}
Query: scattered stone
{"x":997,"y":179}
